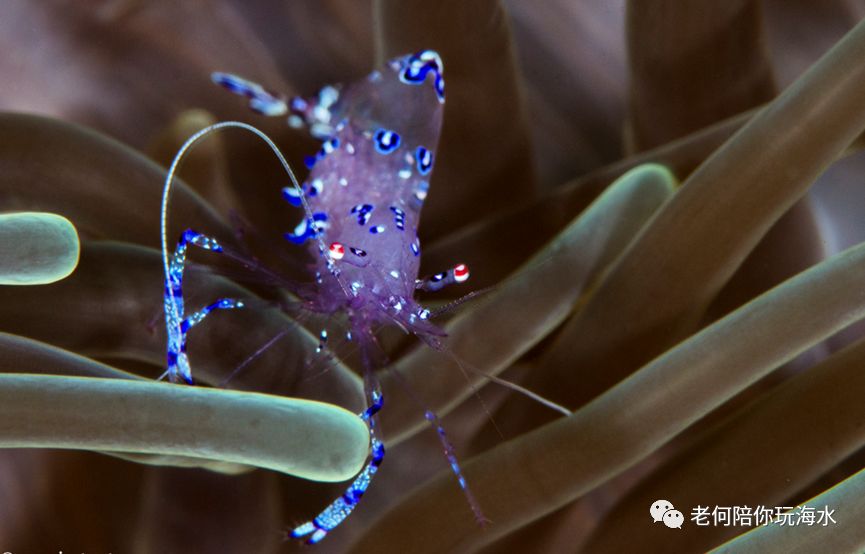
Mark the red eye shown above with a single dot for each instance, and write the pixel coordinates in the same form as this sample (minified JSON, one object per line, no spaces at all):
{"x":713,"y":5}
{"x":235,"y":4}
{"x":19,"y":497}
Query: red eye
{"x":337,"y":251}
{"x":461,"y":273}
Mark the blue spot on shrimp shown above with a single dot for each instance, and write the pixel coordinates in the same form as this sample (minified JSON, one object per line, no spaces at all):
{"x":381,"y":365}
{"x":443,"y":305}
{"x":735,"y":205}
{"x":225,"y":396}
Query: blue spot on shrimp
{"x":361,"y":206}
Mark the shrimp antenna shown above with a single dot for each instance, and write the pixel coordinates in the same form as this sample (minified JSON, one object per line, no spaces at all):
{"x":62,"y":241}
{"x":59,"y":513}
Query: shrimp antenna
{"x":175,"y":164}
{"x":463,"y":365}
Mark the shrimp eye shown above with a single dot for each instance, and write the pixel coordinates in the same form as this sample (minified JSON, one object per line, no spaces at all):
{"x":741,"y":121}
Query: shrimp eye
{"x":461,"y":273}
{"x":337,"y":251}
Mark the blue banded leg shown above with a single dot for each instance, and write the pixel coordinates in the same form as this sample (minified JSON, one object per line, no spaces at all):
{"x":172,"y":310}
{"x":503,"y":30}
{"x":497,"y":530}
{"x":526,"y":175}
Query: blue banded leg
{"x":176,"y":323}
{"x":455,"y":466}
{"x":322,"y":341}
{"x":197,"y":317}
{"x":261,"y":100}
{"x":342,"y":507}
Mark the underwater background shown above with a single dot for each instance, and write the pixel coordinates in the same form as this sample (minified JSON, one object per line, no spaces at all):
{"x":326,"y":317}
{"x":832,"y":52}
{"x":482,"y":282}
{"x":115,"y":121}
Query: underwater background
{"x":661,"y":204}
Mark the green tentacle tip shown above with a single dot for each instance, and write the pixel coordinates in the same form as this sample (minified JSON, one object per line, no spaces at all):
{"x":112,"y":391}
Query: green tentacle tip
{"x":36,"y":248}
{"x":654,"y":172}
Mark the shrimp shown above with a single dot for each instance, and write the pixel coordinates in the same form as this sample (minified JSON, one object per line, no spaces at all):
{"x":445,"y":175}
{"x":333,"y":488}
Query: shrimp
{"x":361,"y":207}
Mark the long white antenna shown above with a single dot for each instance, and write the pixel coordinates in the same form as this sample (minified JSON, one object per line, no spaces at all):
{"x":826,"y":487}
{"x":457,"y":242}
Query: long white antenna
{"x":169,"y":179}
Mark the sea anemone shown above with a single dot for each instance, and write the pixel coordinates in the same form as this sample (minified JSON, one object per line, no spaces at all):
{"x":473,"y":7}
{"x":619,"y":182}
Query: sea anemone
{"x":632,"y":187}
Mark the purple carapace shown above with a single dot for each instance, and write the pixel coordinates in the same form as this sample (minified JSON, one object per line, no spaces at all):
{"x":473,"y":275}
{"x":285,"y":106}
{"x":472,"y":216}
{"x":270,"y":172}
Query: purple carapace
{"x":361,"y":206}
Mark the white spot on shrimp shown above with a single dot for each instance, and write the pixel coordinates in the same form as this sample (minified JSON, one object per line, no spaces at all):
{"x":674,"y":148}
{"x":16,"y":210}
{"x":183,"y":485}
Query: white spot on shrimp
{"x":301,"y":228}
{"x":321,"y":130}
{"x":320,"y":113}
{"x":329,"y":146}
{"x":295,"y":121}
{"x":328,"y":96}
{"x":419,"y":195}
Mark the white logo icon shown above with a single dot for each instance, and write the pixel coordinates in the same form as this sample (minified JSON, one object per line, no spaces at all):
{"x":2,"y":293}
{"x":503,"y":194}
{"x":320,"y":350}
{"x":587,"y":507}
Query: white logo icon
{"x":663,"y":510}
{"x":673,"y":519}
